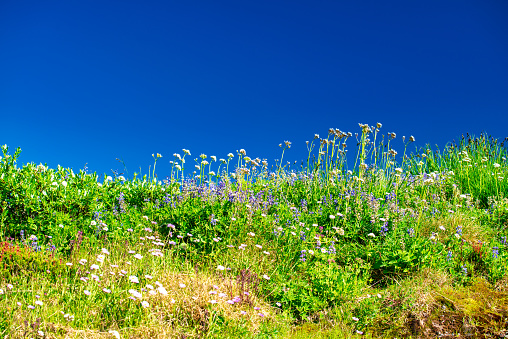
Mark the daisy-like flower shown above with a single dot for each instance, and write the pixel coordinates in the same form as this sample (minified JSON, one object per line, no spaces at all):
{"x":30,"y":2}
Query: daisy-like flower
{"x":355,"y":319}
{"x":266,"y":277}
{"x":69,"y":264}
{"x":134,"y":279}
{"x":243,"y":312}
{"x":223,"y":295}
{"x":162,"y":290}
{"x":145,"y":304}
{"x":87,"y":292}
{"x":94,"y":267}
{"x":213,"y":301}
{"x":135,"y":294}
{"x":182,"y":285}
{"x":138,"y":256}
{"x":259,"y":246}
{"x":31,"y":307}
{"x":10,"y":287}
{"x":442,"y":228}
{"x":252,"y":234}
{"x":114,"y":333}
{"x":266,"y":252}
{"x":220,"y":268}
{"x":100,"y":258}
{"x":105,"y":251}
{"x":107,"y":290}
{"x":38,"y":302}
{"x":148,"y":276}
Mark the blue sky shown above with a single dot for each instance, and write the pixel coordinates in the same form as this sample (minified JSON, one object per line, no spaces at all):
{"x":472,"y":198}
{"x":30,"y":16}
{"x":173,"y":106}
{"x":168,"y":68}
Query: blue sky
{"x":92,"y":81}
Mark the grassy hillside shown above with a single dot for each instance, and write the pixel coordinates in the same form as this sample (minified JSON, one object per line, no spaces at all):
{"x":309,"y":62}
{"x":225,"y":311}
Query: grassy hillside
{"x":399,"y":244}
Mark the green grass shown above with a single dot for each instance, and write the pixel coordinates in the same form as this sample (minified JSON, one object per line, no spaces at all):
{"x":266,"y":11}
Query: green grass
{"x":414,"y":247}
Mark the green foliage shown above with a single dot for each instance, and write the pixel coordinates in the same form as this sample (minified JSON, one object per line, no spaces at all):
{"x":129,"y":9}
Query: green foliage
{"x":312,"y":240}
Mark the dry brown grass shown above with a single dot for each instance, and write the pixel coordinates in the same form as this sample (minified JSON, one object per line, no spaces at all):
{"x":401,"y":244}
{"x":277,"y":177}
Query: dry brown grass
{"x":184,"y":312}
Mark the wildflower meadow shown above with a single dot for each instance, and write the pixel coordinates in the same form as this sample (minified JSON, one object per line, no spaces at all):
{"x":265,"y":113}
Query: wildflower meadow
{"x":395,"y":243}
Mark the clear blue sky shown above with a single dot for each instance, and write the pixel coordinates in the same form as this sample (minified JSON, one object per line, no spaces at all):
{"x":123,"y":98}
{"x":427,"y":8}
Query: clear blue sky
{"x":92,"y":81}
